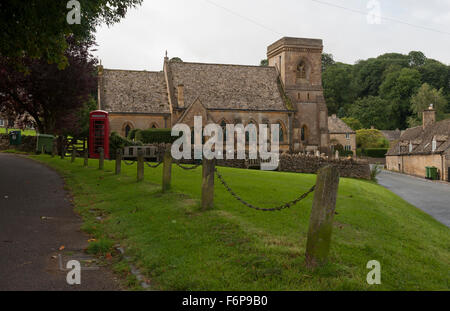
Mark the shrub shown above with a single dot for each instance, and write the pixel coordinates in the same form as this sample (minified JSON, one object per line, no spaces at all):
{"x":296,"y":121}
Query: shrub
{"x":132,"y":134}
{"x":152,"y":136}
{"x":371,"y":138}
{"x":374,"y":171}
{"x":118,"y":142}
{"x":375,"y":152}
{"x":345,"y":153}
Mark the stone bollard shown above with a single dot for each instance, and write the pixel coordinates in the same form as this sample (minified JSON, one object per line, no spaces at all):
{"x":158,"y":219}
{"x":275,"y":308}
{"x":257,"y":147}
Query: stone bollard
{"x":86,"y":158}
{"x":140,"y":165}
{"x":118,"y":161}
{"x":101,"y":159}
{"x":322,"y":214}
{"x":208,"y":183}
{"x":167,"y":170}
{"x":73,"y":155}
{"x":337,"y":155}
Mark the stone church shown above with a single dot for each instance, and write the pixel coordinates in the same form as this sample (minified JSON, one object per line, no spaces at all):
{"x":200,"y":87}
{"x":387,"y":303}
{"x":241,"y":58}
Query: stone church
{"x":287,"y":92}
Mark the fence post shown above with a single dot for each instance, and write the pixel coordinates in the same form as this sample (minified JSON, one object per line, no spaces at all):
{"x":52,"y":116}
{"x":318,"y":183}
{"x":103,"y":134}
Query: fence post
{"x":140,"y":165}
{"x":208,"y":183}
{"x":101,"y":159}
{"x":118,"y":161}
{"x":73,"y":154}
{"x":86,"y":158}
{"x":322,"y":214}
{"x":167,"y":170}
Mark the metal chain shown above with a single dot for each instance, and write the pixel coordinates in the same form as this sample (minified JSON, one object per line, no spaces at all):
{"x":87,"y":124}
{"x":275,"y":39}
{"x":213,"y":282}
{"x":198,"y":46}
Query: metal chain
{"x":187,"y":167}
{"x":277,"y":208}
{"x":153,"y":166}
{"x":125,"y":161}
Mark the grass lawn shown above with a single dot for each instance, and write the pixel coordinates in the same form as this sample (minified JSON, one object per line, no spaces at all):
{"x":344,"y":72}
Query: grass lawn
{"x":233,"y":247}
{"x":24,"y":132}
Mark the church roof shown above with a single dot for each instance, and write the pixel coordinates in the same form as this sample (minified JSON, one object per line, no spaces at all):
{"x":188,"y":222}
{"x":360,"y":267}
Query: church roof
{"x":421,"y":139}
{"x":337,"y":126}
{"x":133,"y":91}
{"x":220,"y":86}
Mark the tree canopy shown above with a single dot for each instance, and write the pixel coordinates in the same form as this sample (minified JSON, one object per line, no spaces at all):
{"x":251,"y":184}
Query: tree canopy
{"x":379,"y":91}
{"x":38,"y":29}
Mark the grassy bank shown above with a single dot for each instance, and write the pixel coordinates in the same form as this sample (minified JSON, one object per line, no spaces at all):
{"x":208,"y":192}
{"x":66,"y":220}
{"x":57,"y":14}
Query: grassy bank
{"x":235,"y":248}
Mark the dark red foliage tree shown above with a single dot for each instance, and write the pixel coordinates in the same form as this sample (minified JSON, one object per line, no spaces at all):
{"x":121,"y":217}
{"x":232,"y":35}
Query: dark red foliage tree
{"x":48,"y":97}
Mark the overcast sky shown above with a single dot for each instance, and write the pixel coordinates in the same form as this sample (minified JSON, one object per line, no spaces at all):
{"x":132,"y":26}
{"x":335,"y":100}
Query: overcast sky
{"x":239,"y":31}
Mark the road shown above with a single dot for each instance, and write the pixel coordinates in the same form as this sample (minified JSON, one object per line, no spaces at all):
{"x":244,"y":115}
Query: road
{"x":36,"y":220}
{"x":431,"y":197}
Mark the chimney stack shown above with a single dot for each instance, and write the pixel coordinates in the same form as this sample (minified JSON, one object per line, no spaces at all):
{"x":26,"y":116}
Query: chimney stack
{"x":428,"y":117}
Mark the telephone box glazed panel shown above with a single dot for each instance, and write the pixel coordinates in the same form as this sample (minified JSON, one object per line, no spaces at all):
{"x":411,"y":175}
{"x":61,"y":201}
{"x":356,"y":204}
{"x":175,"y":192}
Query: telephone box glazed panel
{"x":98,"y":134}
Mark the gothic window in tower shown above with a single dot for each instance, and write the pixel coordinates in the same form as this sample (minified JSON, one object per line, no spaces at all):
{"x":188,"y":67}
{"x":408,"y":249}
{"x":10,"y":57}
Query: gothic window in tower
{"x":304,"y":133}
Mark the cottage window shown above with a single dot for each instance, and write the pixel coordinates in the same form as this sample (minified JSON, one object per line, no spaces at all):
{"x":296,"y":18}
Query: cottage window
{"x":348,"y":147}
{"x":2,"y":122}
{"x":347,"y":135}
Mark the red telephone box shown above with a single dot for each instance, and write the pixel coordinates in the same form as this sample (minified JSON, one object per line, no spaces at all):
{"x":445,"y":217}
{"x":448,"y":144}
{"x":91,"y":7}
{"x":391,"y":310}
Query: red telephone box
{"x":98,"y":134}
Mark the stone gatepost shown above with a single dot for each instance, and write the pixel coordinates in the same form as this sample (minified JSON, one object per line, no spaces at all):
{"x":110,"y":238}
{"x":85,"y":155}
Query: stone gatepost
{"x":140,"y":165}
{"x":118,"y":161}
{"x":167,"y":170}
{"x":208,"y":183}
{"x":322,"y":214}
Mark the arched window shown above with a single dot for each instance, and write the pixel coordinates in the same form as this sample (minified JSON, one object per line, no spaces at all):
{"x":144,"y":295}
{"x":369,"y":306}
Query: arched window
{"x":153,"y":126}
{"x":127,"y":130}
{"x":247,"y":133}
{"x":304,"y":133}
{"x":281,"y":133}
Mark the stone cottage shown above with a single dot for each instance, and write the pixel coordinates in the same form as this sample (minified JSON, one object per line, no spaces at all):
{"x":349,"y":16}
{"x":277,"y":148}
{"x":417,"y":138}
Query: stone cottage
{"x":341,"y":134}
{"x":421,"y":146}
{"x":288,"y":92}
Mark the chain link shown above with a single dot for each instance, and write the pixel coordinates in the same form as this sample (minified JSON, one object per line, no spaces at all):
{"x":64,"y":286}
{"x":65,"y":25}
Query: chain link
{"x":277,"y":208}
{"x":187,"y":167}
{"x":131,"y":163}
{"x":153,"y":166}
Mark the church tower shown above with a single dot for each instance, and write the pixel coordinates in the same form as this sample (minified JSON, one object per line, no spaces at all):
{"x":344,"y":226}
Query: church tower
{"x":299,"y":65}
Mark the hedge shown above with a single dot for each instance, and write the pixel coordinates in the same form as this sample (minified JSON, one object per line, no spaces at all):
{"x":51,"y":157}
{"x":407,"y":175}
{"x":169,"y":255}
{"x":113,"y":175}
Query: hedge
{"x":132,"y":134}
{"x":118,"y":142}
{"x":152,"y":136}
{"x":374,"y":152}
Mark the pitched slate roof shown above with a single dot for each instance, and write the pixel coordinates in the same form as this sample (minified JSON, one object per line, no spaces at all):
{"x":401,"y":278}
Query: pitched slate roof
{"x":134,"y":91}
{"x":337,"y":126}
{"x":392,"y":135}
{"x":422,"y":139}
{"x":220,"y":86}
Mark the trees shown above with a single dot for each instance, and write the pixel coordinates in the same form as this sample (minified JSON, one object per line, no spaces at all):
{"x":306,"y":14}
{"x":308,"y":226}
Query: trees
{"x":264,"y":62}
{"x":327,"y":61}
{"x":397,"y":89}
{"x":38,"y":28}
{"x":50,"y":96}
{"x":353,"y":123}
{"x":339,"y":87}
{"x":425,"y":96}
{"x":373,"y":111}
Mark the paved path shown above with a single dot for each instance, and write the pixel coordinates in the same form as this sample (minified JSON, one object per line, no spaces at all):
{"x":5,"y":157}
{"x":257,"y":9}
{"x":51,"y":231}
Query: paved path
{"x":431,"y":197}
{"x":30,"y":258}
